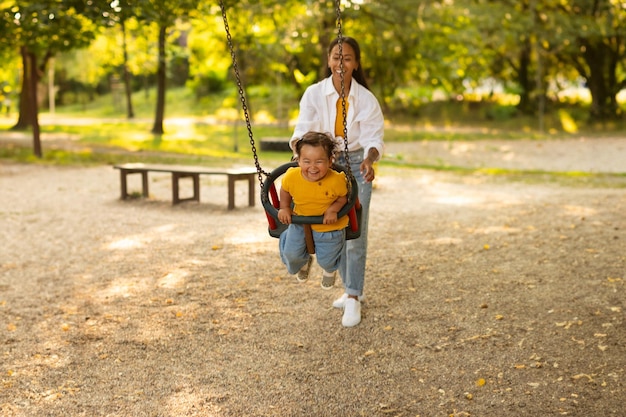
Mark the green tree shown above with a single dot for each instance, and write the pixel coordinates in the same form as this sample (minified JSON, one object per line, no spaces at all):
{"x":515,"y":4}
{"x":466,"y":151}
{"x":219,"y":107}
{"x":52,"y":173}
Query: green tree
{"x":40,"y":30}
{"x":505,"y":37}
{"x":590,"y":36}
{"x":537,"y":42}
{"x":265,"y":38}
{"x":164,"y":14}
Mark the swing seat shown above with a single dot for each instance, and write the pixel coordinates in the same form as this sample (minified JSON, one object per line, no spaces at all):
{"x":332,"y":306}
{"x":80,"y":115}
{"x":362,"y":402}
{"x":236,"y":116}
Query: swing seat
{"x":271,"y":204}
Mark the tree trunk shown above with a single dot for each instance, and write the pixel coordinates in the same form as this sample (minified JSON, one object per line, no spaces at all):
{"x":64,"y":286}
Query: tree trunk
{"x":526,"y":104}
{"x":24,"y":118}
{"x":157,"y":129}
{"x":129,"y":92}
{"x":602,"y":70}
{"x":31,"y":69}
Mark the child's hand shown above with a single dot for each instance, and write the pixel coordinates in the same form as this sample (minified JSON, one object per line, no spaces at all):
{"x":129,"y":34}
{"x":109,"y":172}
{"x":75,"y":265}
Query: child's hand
{"x":330,"y":217}
{"x":284,"y":215}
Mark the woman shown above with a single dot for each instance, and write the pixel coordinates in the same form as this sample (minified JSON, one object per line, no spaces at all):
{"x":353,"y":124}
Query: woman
{"x":321,"y":110}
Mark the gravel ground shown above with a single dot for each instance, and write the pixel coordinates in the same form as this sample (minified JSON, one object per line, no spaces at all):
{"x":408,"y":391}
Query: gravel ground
{"x":486,"y":296}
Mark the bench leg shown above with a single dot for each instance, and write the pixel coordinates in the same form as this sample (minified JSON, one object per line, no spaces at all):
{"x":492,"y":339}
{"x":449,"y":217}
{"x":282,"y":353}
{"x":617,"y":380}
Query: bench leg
{"x":144,"y":184}
{"x":176,"y":176}
{"x":231,"y":188}
{"x":231,"y":191}
{"x":124,"y":183}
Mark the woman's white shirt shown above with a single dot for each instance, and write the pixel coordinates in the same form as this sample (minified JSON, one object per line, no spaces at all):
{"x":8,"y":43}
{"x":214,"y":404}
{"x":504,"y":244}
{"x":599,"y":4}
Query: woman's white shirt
{"x":365,"y":121}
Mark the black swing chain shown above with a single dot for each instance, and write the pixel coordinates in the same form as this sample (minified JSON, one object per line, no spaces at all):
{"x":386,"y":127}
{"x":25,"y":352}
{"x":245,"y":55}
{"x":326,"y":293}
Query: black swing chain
{"x":242,"y":95}
{"x":343,"y":92}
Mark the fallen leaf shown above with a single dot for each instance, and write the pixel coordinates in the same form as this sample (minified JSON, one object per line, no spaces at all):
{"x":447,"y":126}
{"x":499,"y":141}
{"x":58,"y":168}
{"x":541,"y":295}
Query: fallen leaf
{"x":580,"y":376}
{"x":580,"y":342}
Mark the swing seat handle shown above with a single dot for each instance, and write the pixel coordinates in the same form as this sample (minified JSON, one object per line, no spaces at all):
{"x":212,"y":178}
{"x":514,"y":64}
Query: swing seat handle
{"x":272,"y":211}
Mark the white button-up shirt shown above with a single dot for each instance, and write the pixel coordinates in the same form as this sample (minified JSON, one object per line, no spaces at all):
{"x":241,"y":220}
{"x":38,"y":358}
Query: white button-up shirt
{"x":365,"y":122}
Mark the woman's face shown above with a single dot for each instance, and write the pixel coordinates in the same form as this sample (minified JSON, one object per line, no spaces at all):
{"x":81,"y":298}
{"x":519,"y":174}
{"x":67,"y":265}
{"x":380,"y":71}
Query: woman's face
{"x":314,"y":162}
{"x":349,"y":63}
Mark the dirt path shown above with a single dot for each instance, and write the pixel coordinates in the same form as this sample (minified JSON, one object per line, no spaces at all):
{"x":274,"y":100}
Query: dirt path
{"x":485,"y":298}
{"x":596,"y":155}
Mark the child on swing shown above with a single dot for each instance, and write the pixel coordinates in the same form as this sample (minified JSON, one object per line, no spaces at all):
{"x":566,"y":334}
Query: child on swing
{"x":315,"y":189}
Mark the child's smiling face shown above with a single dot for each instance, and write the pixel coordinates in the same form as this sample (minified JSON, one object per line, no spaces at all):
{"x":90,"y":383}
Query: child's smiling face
{"x":314,"y":162}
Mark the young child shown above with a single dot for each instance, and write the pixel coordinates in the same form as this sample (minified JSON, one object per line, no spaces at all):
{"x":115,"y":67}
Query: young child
{"x":316,"y":190}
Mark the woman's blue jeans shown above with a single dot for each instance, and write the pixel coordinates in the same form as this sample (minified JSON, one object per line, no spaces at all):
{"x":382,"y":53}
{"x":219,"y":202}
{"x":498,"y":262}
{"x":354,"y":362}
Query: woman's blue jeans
{"x":354,"y":255}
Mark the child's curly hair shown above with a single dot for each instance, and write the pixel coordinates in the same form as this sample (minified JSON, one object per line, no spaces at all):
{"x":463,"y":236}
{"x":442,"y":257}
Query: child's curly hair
{"x":325,"y":140}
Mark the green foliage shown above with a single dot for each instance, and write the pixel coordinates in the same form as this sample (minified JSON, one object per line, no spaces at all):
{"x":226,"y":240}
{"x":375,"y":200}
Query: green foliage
{"x":45,"y":26}
{"x":209,"y":59}
{"x":412,"y":50}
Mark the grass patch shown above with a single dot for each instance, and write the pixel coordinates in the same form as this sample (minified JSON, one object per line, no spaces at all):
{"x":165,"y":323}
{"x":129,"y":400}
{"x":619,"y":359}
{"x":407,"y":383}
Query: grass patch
{"x":211,"y":131}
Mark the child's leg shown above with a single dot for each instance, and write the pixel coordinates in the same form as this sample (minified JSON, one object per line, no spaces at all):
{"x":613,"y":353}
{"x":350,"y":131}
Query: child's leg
{"x":292,"y":248}
{"x":328,"y":247}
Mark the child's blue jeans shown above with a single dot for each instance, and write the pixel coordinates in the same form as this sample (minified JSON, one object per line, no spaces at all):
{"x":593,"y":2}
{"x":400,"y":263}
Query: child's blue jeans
{"x":328,"y":248}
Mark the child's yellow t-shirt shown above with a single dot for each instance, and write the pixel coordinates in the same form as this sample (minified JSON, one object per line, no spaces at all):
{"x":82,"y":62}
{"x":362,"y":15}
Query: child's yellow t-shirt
{"x":313,"y":198}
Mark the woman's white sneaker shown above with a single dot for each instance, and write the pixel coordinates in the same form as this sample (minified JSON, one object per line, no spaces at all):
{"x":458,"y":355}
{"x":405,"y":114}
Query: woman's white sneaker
{"x":341,"y":301}
{"x":351,"y":313}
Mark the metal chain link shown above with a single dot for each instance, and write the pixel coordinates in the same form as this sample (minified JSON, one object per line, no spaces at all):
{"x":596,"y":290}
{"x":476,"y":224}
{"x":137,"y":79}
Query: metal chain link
{"x":242,"y":96}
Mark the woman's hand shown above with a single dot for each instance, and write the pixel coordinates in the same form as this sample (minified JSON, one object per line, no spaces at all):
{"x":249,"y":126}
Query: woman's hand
{"x":367,"y":170}
{"x":367,"y":166}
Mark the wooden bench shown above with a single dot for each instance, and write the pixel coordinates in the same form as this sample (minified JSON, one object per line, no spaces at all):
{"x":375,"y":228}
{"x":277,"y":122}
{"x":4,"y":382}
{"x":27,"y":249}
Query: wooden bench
{"x":184,"y":171}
